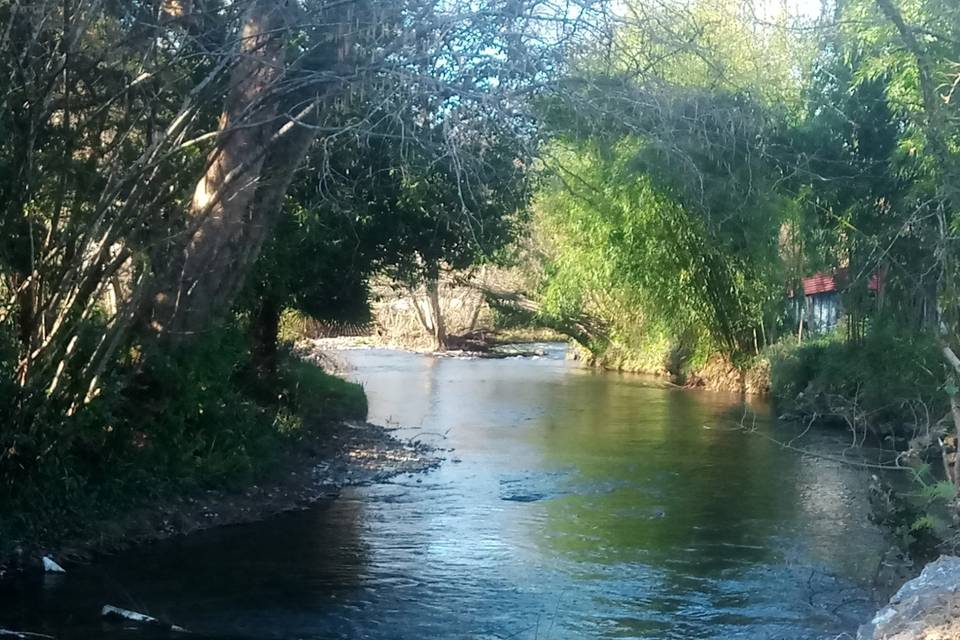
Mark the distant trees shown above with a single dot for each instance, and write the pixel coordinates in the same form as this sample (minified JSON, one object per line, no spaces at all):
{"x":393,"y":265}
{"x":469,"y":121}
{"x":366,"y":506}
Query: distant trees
{"x":366,"y":207}
{"x":879,"y":162}
{"x":662,"y":214}
{"x":920,"y":45}
{"x":722,"y":150}
{"x":126,"y":171}
{"x":456,"y":213}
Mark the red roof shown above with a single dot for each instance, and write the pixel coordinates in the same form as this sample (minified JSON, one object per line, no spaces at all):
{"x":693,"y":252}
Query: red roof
{"x":819,"y":283}
{"x":826,"y":282}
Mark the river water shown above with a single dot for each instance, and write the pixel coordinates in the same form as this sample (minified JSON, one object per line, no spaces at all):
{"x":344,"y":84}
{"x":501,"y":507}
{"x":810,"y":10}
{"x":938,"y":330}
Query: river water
{"x":575,"y":504}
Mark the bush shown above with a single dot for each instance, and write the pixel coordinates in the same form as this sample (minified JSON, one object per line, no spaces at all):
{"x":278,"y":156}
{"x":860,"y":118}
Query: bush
{"x":890,"y":382}
{"x":166,"y":423}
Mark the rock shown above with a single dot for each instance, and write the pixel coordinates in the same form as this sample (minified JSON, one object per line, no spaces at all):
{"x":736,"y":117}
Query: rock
{"x":925,"y":608}
{"x":116,"y":613}
{"x":23,"y":635}
{"x":52,"y":567}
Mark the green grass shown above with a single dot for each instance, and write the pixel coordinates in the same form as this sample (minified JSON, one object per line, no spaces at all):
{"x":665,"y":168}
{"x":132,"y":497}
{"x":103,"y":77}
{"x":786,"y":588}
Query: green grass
{"x":315,"y":394}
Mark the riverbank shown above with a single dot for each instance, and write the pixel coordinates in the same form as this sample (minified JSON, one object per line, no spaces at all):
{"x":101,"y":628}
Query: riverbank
{"x":924,"y":608}
{"x":480,"y":346}
{"x":323,"y":461}
{"x":717,"y":373}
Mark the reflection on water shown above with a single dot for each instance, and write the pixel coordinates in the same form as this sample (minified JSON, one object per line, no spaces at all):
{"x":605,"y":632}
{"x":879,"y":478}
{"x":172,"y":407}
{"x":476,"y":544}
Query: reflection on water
{"x":575,"y":505}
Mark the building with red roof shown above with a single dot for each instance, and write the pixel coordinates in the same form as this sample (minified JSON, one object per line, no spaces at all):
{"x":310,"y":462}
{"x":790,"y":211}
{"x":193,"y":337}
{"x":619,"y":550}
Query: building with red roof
{"x":822,"y":291}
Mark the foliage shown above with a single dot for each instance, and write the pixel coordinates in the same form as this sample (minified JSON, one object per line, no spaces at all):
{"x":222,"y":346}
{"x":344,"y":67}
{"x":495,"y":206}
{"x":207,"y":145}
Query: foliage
{"x":907,"y":52}
{"x":369,"y":206}
{"x":170,"y":423}
{"x":890,"y":382}
{"x":147,"y":150}
{"x":718,"y":45}
{"x":662,"y":217}
{"x":660,"y":272}
{"x":316,"y":395}
{"x":916,"y":512}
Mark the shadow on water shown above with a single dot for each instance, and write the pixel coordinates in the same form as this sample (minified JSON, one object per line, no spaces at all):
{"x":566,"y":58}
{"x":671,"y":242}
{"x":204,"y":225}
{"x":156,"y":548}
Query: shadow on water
{"x":575,"y":505}
{"x":233,"y":582}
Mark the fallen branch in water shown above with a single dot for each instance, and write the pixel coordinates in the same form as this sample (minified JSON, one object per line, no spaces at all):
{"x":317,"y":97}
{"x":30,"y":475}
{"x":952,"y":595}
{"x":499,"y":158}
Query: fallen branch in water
{"x":753,"y":429}
{"x":415,"y":440}
{"x":583,"y":328}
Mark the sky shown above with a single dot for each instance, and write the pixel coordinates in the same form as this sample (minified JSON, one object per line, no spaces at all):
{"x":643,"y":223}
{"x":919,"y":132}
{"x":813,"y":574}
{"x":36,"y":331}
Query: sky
{"x":799,"y":8}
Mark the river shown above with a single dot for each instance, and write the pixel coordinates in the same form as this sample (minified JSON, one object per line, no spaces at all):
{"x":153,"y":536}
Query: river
{"x":573,"y":504}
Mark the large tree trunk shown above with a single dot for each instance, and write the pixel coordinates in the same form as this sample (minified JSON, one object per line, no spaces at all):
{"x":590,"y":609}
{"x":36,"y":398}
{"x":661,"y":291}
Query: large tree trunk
{"x":229,"y":212}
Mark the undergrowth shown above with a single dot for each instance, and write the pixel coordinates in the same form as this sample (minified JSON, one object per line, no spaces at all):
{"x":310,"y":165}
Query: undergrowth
{"x":163,"y":425}
{"x":888,"y":389}
{"x":889,"y":383}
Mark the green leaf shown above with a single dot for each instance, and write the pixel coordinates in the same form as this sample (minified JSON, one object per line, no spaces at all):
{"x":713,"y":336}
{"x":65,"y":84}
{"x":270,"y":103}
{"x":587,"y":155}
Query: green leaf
{"x":940,"y":491}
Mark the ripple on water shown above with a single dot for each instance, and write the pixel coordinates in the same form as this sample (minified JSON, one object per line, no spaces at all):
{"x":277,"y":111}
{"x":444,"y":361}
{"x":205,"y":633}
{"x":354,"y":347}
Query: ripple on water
{"x":586,"y":505}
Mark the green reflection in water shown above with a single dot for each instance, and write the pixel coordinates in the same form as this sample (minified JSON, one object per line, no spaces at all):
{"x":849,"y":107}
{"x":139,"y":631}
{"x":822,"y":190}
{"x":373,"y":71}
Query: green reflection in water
{"x":671,"y":475}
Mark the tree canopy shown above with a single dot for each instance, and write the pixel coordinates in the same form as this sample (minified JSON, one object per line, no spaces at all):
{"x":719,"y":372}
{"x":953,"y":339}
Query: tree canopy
{"x":175,"y":174}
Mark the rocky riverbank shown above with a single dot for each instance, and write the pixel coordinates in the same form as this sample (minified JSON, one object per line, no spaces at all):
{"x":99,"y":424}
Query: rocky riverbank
{"x":330,"y":458}
{"x":925,"y":608}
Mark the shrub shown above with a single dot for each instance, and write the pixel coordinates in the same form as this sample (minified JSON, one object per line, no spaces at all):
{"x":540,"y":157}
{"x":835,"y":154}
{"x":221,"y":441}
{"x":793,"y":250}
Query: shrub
{"x":890,"y":381}
{"x":164,"y":422}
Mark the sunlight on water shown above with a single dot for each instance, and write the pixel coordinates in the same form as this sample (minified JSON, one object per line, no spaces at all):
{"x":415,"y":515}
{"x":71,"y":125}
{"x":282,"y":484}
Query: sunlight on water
{"x":574,"y":504}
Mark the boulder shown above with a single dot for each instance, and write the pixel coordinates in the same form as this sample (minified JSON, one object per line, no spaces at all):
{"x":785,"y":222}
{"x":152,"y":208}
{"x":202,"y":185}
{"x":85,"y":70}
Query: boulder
{"x":925,"y":608}
{"x":50,"y":566}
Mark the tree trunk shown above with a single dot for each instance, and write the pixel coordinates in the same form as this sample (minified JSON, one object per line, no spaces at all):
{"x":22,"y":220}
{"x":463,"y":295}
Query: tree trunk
{"x":952,"y":464}
{"x":264,"y":328}
{"x":224,"y":198}
{"x":475,"y":314}
{"x":439,"y":329}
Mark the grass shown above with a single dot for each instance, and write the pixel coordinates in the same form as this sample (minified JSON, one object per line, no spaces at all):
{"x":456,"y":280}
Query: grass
{"x":891,"y":379}
{"x":317,"y":394}
{"x":523,"y":335}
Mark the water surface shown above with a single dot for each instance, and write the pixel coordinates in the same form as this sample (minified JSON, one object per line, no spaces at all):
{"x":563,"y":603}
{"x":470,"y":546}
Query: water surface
{"x":574,"y":504}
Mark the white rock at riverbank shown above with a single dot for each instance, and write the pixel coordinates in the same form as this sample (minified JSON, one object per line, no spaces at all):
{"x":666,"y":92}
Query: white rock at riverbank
{"x":925,"y":608}
{"x":52,"y":567}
